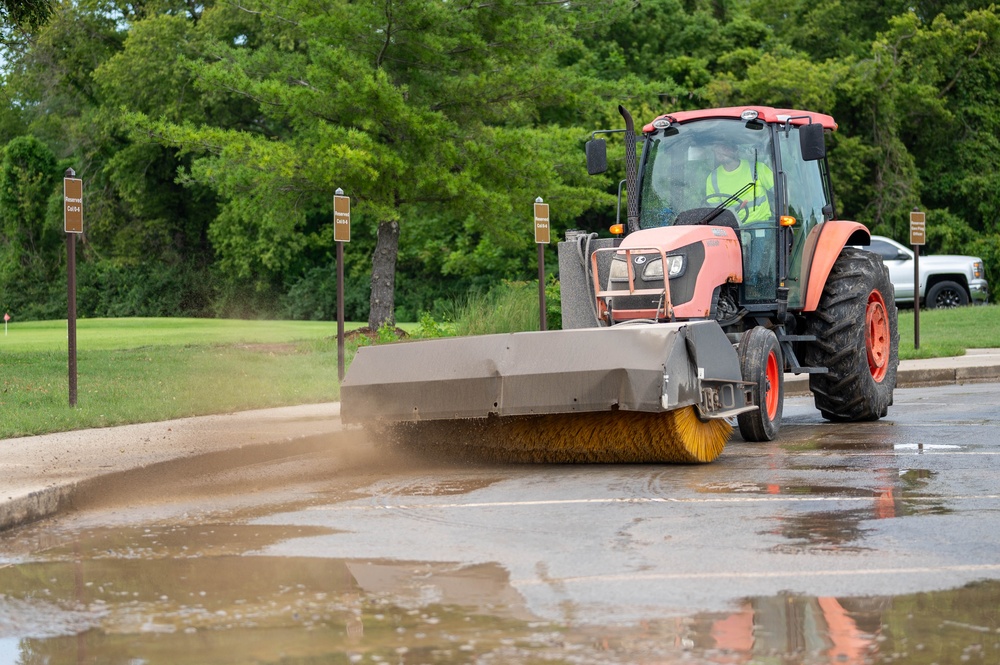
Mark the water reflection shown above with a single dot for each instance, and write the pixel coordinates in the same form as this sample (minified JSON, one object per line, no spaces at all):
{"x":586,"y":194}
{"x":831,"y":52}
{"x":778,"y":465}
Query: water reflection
{"x":886,"y":493}
{"x":92,"y":602}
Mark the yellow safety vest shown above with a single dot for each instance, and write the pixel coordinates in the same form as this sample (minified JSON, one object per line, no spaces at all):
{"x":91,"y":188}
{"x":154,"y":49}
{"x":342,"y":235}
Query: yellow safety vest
{"x":721,"y":181}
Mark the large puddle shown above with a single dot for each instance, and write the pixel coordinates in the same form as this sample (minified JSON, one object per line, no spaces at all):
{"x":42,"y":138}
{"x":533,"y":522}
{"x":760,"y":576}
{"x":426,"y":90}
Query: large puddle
{"x":392,"y":562}
{"x":199,"y":594}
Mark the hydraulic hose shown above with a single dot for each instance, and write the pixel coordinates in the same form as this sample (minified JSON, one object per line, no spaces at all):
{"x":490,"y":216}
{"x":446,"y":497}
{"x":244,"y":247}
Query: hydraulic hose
{"x":583,"y":253}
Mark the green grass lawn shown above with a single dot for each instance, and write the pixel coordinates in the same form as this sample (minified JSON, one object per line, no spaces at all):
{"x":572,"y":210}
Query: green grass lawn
{"x":107,"y":334}
{"x":142,"y":370}
{"x":948,"y":332}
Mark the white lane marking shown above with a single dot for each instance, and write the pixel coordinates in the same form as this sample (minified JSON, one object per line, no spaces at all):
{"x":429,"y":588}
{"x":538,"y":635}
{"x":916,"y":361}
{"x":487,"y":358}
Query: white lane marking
{"x":967,"y":423}
{"x":968,"y":626}
{"x":642,"y":500}
{"x":870,"y":453}
{"x":769,"y":574}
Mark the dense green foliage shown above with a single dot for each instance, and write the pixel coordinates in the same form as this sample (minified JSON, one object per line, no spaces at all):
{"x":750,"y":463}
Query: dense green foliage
{"x":23,"y":14}
{"x":210,"y":137}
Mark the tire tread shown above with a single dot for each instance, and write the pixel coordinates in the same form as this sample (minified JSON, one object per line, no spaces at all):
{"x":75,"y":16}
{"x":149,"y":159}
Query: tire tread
{"x":848,"y":392}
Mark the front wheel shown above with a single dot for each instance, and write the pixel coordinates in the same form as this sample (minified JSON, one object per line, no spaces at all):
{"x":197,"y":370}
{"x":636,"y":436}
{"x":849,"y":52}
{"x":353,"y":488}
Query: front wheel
{"x":762,"y":366}
{"x":857,"y":340}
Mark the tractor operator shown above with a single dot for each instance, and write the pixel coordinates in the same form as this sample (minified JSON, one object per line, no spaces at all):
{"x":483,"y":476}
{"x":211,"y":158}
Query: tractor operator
{"x":732,"y":175}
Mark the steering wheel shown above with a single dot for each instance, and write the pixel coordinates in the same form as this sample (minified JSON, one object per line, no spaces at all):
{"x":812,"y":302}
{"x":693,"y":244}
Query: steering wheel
{"x":714,"y":200}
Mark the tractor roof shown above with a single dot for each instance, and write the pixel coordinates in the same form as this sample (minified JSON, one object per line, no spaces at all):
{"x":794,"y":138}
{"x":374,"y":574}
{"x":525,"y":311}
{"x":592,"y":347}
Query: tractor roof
{"x":764,"y":113}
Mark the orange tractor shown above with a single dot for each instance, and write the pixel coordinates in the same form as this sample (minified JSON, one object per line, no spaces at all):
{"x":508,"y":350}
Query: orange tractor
{"x":729,"y":270}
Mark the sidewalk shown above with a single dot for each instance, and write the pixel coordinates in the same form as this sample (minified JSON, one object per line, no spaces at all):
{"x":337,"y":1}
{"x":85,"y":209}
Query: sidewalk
{"x":41,"y":474}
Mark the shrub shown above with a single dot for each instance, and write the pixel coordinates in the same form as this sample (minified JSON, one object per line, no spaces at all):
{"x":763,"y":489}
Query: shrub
{"x":507,"y":307}
{"x":108,"y":289}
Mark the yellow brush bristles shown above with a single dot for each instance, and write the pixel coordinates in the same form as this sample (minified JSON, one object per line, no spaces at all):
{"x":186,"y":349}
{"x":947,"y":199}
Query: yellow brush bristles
{"x":601,"y":438}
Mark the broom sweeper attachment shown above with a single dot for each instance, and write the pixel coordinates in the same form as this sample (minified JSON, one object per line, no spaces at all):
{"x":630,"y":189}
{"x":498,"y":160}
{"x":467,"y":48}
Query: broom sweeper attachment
{"x":628,"y":393}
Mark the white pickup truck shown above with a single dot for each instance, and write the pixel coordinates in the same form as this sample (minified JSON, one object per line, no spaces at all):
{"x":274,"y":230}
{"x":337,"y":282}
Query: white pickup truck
{"x":945,"y":280}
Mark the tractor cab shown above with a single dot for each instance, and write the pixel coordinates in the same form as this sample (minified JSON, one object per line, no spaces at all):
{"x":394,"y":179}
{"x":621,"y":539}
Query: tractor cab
{"x":762,"y":175}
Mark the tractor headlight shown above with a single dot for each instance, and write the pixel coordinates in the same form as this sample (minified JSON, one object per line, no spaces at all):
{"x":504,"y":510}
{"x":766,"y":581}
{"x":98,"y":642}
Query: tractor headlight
{"x":619,"y":270}
{"x":654,"y":269}
{"x":648,"y":267}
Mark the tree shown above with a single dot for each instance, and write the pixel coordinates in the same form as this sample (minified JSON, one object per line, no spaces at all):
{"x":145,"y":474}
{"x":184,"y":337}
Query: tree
{"x":143,"y":227}
{"x":29,"y":245}
{"x":409,"y":106}
{"x":24,"y":14}
{"x":27,"y":181}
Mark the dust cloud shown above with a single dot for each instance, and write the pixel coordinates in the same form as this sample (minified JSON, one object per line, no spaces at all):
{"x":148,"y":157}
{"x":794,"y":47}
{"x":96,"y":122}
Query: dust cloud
{"x":247,"y":470}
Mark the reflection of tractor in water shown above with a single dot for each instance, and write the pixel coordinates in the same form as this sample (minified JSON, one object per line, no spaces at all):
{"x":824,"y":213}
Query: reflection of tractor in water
{"x":831,"y":630}
{"x":733,"y":259}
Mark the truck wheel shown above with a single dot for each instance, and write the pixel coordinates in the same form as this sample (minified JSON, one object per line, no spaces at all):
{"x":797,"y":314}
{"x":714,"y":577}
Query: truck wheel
{"x":947,"y":294}
{"x":762,"y":366}
{"x":857,"y":340}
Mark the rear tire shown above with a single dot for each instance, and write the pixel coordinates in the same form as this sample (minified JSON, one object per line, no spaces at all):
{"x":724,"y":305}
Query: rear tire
{"x":946,"y":295}
{"x":762,"y":365}
{"x":857,"y":339}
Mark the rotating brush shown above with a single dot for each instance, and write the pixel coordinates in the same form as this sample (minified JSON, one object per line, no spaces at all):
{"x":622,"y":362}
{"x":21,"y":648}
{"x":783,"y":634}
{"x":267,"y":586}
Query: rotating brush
{"x":617,"y":437}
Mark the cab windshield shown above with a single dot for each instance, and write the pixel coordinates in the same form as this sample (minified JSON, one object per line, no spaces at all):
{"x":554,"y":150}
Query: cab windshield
{"x":690,"y":170}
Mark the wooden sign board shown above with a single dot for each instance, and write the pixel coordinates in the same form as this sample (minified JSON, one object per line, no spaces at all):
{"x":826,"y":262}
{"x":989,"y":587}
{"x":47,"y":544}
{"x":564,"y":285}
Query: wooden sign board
{"x":342,"y":218}
{"x":542,"y":223}
{"x":918,"y":229}
{"x":73,"y":205}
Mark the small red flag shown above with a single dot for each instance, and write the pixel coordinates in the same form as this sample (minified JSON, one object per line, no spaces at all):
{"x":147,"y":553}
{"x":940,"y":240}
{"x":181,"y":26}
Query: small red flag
{"x":6,"y":317}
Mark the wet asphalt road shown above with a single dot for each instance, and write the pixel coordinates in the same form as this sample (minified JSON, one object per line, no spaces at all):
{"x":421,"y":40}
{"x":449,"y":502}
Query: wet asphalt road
{"x":859,"y":543}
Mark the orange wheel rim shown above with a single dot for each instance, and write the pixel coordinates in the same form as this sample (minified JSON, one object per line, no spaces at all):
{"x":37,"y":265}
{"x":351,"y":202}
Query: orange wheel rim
{"x":877,"y":336}
{"x":771,"y":394}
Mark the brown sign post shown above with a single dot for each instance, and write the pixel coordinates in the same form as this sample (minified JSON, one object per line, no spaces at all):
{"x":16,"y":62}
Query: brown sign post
{"x":918,"y":228}
{"x":542,"y":235}
{"x":73,"y":203}
{"x":73,"y":225}
{"x":918,"y":236}
{"x":341,"y":234}
{"x":341,"y":217}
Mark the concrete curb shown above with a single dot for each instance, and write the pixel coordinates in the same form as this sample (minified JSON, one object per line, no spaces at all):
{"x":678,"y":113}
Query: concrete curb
{"x":35,"y":505}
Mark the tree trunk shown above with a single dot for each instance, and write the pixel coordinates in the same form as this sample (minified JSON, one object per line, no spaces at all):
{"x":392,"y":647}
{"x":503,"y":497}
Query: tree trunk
{"x":382,"y":308}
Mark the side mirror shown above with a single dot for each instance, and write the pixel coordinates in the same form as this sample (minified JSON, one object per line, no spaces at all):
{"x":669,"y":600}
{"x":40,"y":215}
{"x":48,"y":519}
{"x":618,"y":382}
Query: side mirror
{"x":811,"y":142}
{"x":597,"y":156}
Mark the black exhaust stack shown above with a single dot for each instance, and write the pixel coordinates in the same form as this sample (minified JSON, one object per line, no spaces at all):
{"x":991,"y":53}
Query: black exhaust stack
{"x":631,"y":171}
